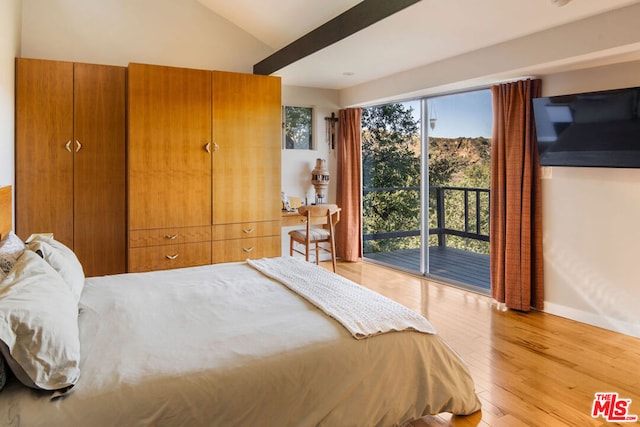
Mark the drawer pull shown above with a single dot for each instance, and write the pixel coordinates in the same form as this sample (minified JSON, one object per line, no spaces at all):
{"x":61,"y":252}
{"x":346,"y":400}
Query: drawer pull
{"x":248,"y":230}
{"x":171,"y":236}
{"x":247,"y":250}
{"x":172,"y":256}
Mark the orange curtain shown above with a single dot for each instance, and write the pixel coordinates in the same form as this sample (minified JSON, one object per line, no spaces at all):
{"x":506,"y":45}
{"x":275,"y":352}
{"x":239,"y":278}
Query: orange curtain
{"x":516,"y":218}
{"x":349,"y":185}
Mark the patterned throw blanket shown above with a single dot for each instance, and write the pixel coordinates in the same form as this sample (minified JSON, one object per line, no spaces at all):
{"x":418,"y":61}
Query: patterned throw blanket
{"x":361,"y":311}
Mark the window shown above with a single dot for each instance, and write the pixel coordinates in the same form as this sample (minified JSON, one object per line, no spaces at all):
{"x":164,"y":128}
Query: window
{"x":297,"y":128}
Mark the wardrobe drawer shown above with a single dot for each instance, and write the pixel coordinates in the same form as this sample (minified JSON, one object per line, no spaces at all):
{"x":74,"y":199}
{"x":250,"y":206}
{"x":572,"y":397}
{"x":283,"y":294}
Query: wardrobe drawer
{"x":245,"y":230}
{"x":168,"y":236}
{"x":169,"y":256}
{"x":240,"y":249}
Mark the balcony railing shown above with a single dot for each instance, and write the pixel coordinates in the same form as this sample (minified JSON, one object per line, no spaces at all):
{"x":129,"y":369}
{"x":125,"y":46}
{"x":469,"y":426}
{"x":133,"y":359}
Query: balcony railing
{"x":473,"y":219}
{"x":460,"y":214}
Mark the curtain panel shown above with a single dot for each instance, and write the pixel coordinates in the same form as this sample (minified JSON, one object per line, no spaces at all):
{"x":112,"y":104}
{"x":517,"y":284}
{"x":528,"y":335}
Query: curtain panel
{"x":349,"y":185}
{"x":516,"y":217}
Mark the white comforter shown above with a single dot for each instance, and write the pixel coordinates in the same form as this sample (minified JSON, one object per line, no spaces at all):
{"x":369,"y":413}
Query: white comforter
{"x":223,"y":345}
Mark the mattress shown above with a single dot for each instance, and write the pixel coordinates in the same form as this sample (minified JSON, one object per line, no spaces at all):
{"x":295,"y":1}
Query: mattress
{"x":225,"y":345}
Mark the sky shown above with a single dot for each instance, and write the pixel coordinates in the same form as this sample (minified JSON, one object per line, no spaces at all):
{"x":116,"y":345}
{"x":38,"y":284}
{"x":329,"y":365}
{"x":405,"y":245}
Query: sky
{"x":466,"y":114}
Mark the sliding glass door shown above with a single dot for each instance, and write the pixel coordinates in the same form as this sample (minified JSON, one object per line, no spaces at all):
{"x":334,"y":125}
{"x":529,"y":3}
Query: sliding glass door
{"x":457,"y":131}
{"x":426,"y":175}
{"x":391,"y":167}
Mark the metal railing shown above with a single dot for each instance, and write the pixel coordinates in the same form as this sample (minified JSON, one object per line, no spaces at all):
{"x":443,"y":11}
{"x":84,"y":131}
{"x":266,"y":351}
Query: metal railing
{"x":470,"y":229}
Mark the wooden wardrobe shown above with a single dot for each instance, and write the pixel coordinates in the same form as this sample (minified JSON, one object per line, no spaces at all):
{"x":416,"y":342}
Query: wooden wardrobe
{"x":203,"y":167}
{"x":70,"y":158}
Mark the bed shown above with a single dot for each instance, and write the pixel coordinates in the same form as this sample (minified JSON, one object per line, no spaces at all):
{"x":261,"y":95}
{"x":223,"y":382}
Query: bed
{"x":233,"y":344}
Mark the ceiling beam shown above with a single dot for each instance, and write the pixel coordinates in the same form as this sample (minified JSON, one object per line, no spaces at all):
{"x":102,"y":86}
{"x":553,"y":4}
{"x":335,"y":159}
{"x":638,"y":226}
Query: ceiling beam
{"x":360,"y":16}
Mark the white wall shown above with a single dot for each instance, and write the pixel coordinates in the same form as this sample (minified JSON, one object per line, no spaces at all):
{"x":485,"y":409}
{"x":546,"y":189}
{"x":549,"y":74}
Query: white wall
{"x":298,"y":164}
{"x":9,"y":49}
{"x":591,"y":235}
{"x":115,"y":32}
{"x":606,"y":37}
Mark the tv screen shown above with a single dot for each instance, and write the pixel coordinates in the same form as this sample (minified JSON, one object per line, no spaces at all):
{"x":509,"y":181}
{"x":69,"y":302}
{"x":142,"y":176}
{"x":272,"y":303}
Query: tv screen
{"x":598,"y":129}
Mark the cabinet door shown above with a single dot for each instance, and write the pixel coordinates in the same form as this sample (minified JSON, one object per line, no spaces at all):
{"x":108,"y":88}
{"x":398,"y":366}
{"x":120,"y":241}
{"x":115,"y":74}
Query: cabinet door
{"x":44,"y":164}
{"x":246,"y":164}
{"x":169,"y":168}
{"x":99,"y":168}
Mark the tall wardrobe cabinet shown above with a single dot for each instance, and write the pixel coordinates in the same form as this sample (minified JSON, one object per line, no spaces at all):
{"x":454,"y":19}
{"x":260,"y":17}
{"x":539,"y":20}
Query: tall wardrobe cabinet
{"x":203,"y":167}
{"x":70,"y":158}
{"x":169,"y":167}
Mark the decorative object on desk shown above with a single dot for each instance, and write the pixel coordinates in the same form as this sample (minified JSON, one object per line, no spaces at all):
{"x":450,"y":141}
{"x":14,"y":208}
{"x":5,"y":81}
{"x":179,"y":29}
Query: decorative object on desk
{"x":331,"y":130}
{"x":286,"y":206}
{"x":320,"y":179}
{"x":295,"y":202}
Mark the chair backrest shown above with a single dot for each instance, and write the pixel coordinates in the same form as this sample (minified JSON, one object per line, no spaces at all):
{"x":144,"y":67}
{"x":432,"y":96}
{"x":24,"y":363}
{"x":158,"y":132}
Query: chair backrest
{"x":328,"y":210}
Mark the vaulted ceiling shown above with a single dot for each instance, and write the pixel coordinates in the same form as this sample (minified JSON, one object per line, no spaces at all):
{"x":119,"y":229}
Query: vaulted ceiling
{"x":423,"y":33}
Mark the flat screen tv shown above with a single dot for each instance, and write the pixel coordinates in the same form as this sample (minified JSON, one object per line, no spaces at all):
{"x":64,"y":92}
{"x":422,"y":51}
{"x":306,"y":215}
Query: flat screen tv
{"x":595,"y":129}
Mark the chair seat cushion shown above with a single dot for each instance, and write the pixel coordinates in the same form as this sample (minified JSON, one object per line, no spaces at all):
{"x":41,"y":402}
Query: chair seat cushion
{"x":316,"y":234}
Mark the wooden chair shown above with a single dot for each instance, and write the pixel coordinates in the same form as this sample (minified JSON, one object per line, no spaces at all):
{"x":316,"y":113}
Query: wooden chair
{"x":317,"y":234}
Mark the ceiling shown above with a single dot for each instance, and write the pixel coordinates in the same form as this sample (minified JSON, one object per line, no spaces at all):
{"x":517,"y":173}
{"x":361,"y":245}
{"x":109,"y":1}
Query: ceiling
{"x":426,"y":32}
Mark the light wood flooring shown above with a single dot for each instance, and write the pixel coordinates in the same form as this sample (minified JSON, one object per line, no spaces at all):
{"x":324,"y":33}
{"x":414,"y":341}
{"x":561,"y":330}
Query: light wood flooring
{"x":531,"y":369}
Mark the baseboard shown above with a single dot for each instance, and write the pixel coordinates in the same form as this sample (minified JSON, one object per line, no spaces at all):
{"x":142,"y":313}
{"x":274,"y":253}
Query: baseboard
{"x":593,"y":319}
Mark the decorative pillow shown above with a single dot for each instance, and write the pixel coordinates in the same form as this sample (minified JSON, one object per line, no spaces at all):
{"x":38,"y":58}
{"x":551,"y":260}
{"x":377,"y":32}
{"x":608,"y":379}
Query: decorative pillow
{"x":63,"y":260}
{"x":39,"y":336}
{"x":10,"y":249}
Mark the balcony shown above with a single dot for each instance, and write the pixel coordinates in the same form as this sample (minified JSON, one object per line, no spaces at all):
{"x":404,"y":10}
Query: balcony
{"x":458,"y":235}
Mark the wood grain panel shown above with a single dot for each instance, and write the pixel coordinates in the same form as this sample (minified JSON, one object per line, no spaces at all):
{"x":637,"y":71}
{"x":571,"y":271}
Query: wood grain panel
{"x":169,"y":126}
{"x":6,"y":211}
{"x":44,"y":168}
{"x":170,"y":256}
{"x":240,"y":249}
{"x":100,"y":168}
{"x":246,"y":230}
{"x":246,"y":128}
{"x":169,"y":236}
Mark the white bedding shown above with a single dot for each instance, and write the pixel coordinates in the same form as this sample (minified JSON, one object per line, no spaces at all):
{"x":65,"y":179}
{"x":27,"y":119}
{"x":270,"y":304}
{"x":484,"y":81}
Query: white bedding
{"x":223,"y":345}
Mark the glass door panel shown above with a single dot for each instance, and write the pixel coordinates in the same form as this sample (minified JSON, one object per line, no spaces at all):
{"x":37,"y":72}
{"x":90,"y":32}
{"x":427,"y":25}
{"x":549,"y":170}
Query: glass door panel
{"x":458,"y":143}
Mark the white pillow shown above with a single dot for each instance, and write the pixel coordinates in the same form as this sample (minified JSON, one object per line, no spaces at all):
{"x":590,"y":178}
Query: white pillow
{"x":63,"y":260}
{"x":10,"y":249}
{"x":39,"y":336}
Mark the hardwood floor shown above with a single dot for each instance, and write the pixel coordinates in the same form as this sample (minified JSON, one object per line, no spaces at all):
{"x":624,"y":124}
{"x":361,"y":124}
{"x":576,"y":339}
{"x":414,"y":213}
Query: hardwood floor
{"x":531,"y":369}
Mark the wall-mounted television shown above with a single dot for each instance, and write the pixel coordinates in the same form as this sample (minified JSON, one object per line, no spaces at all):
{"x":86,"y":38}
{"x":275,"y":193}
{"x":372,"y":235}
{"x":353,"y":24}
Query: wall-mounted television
{"x":595,"y":129}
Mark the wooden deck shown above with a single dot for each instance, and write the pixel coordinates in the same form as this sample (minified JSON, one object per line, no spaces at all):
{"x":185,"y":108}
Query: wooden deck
{"x":462,"y":268}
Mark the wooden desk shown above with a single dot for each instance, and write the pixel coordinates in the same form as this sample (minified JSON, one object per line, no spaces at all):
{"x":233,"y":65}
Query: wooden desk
{"x":294,"y":218}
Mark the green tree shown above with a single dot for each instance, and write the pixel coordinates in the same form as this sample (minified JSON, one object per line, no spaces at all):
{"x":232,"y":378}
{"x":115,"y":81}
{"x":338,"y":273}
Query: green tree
{"x":391,"y":180}
{"x":297,"y":127}
{"x":390,"y":158}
